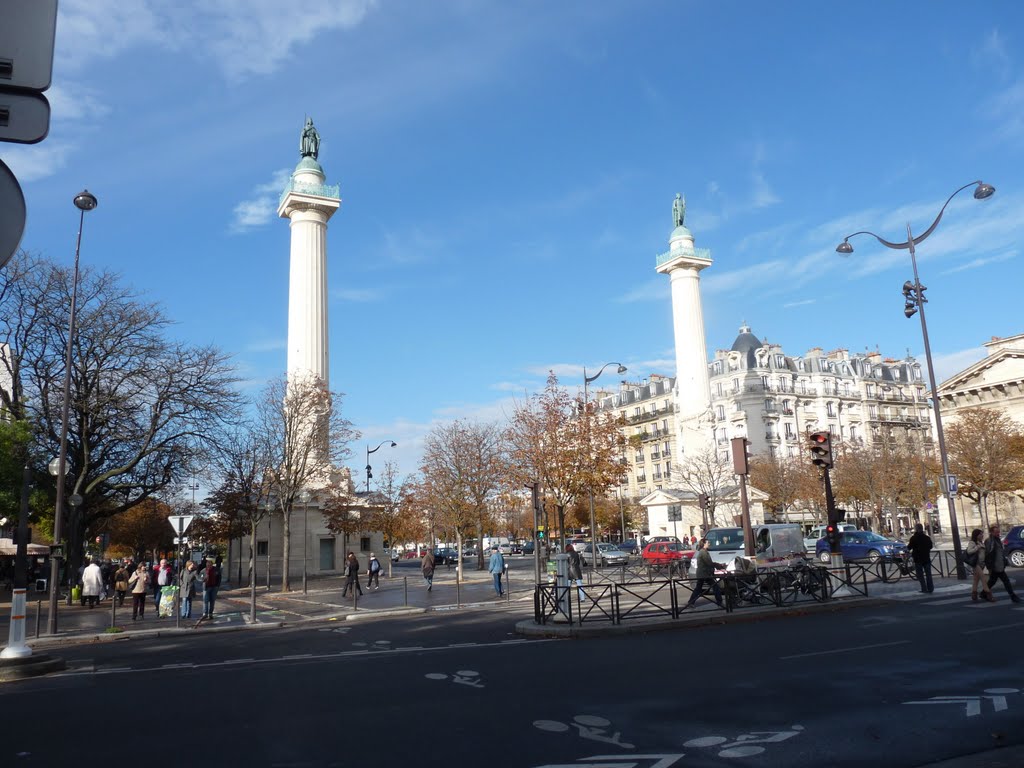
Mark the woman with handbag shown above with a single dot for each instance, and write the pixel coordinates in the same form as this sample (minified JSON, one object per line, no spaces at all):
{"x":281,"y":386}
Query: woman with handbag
{"x":139,"y":585}
{"x":121,"y":584}
{"x":975,"y":558}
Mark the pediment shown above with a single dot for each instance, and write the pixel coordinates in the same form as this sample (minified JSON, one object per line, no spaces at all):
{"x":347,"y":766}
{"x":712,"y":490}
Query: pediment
{"x":1003,"y":367}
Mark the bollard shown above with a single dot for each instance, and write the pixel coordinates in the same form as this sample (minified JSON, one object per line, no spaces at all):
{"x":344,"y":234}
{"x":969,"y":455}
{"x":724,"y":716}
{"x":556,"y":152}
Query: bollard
{"x":508,"y":585}
{"x":405,"y":589}
{"x":113,"y":611}
{"x":355,"y":598}
{"x":39,"y":615}
{"x":16,"y":647}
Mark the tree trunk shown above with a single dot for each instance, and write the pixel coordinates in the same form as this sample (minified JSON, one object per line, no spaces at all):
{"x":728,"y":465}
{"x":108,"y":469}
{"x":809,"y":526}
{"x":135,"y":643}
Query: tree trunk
{"x":286,"y":541}
{"x":479,"y":545}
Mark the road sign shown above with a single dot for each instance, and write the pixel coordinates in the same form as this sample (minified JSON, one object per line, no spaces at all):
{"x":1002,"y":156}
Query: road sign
{"x":24,"y":117}
{"x":180,"y":523}
{"x":12,"y":214}
{"x":948,"y":481}
{"x":675,"y":513}
{"x":26,"y":43}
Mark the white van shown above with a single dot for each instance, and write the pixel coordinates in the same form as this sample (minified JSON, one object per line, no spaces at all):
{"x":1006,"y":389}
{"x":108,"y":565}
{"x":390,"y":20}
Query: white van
{"x":775,"y":544}
{"x":818,"y":531}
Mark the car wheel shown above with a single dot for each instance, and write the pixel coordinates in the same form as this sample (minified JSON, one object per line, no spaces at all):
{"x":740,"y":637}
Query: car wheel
{"x":874,"y":555}
{"x":825,"y":556}
{"x":1017,"y":558}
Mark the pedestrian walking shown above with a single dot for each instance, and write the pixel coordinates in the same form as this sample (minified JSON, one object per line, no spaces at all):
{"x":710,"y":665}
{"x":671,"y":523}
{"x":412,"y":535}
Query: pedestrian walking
{"x":139,"y":585}
{"x":211,"y":583}
{"x":975,"y":558}
{"x":187,"y":585}
{"x":92,"y":583}
{"x":920,"y":547}
{"x":995,"y":561}
{"x":352,"y":576}
{"x":107,"y":569}
{"x":373,"y":573}
{"x":427,"y":566}
{"x":575,"y":570}
{"x":496,"y":567}
{"x":121,"y":576}
{"x":705,"y":574}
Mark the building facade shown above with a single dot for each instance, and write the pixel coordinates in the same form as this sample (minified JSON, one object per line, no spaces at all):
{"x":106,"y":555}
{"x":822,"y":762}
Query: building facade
{"x":774,"y":399}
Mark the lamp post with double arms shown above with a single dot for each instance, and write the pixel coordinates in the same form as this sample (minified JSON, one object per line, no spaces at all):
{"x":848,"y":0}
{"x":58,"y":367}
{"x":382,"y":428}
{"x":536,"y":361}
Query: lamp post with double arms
{"x":84,"y":201}
{"x":369,"y":470}
{"x":594,"y":553}
{"x":915,"y":301}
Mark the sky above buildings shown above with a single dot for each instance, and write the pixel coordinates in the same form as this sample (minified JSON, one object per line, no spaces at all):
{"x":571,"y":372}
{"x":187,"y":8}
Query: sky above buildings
{"x":507,"y":173}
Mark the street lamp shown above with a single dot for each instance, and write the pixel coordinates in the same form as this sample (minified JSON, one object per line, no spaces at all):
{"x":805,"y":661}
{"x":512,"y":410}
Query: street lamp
{"x":84,"y":201}
{"x":915,"y":301}
{"x":369,"y":472}
{"x":586,"y":412}
{"x":304,"y":498}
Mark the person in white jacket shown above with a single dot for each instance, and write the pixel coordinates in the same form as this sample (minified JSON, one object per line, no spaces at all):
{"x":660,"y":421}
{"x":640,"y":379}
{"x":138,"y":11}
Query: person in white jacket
{"x":92,"y":584}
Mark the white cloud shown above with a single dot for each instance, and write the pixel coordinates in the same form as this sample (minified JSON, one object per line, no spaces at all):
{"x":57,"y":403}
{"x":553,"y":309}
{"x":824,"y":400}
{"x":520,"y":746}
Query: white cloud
{"x":803,"y":303}
{"x":652,"y":290}
{"x":976,"y":263}
{"x":762,"y":194}
{"x":992,"y":56}
{"x":952,"y":363}
{"x":75,"y":102}
{"x":244,"y":37}
{"x":262,"y":207}
{"x":37,"y":161}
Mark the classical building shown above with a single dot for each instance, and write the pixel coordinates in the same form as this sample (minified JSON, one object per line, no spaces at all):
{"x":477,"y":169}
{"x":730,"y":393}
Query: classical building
{"x":774,"y":399}
{"x":996,"y":381}
{"x":676,"y":512}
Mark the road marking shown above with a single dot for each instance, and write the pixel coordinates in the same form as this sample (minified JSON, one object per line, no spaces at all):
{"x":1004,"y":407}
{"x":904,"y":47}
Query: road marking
{"x":107,"y":670}
{"x":299,"y":656}
{"x":842,"y":650}
{"x":918,"y":595}
{"x":177,"y":666}
{"x":989,"y":629}
{"x":947,"y":601}
{"x":238,"y":661}
{"x":460,"y":645}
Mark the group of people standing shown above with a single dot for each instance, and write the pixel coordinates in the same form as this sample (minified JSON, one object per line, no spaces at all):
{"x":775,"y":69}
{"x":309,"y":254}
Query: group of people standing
{"x":495,"y":566}
{"x":980,"y":555}
{"x":160,"y":580}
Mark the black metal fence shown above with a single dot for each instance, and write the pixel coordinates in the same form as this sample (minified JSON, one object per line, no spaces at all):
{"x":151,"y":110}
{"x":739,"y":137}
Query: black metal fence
{"x":625,"y":593}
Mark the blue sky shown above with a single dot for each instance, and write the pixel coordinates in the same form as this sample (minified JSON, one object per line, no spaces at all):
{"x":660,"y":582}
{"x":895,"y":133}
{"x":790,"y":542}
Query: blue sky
{"x":507,"y":171}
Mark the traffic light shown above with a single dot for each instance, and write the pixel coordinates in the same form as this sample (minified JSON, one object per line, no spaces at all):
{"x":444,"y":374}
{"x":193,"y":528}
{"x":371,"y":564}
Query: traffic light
{"x":704,"y":501}
{"x":832,"y":536}
{"x":540,"y":531}
{"x":740,"y":457}
{"x":820,"y":446}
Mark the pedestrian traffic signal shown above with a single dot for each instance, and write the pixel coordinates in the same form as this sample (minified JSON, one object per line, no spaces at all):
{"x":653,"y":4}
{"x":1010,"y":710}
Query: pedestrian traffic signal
{"x":820,"y":446}
{"x":740,"y":456}
{"x":540,"y":532}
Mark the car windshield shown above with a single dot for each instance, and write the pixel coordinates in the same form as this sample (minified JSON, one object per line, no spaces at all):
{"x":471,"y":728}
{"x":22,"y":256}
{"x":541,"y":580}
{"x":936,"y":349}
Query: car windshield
{"x":604,"y":547}
{"x":725,"y":538}
{"x":870,"y":536}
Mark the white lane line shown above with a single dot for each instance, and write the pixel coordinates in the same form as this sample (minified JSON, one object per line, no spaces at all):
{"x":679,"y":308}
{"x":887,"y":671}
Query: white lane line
{"x":843,"y":650}
{"x":238,"y":661}
{"x":178,"y":666}
{"x":409,"y":648}
{"x":460,"y":645}
{"x":113,"y":670}
{"x":948,"y":600}
{"x":989,"y":629}
{"x":298,"y":656}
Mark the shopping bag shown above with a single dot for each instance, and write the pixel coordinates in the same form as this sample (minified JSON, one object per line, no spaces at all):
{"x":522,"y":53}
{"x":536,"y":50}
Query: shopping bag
{"x":76,"y":594}
{"x":167,"y":597}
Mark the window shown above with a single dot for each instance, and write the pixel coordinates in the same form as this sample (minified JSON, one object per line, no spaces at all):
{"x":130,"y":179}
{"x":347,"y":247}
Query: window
{"x":668,"y":468}
{"x":853,"y":432}
{"x":789,"y":431}
{"x":666,"y":450}
{"x":828,"y":386}
{"x":787,"y":406}
{"x":261,"y":547}
{"x":830,"y":408}
{"x":639,"y":456}
{"x":780,"y":361}
{"x":716,"y":367}
{"x":637,"y":411}
{"x":769,"y":405}
{"x":718,"y":388}
{"x":765,"y":384}
{"x":720,"y":412}
{"x":873,"y":411}
{"x":664,"y":425}
{"x":870,"y":390}
{"x":364,"y":543}
{"x":735,"y":385}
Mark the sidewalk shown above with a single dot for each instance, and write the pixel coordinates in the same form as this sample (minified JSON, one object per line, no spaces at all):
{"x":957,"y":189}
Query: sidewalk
{"x":402,"y":593}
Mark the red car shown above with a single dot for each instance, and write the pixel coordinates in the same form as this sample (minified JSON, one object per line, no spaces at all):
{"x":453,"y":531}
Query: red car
{"x":667,"y":553}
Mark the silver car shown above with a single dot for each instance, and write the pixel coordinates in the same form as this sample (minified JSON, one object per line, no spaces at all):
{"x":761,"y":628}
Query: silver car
{"x":609,"y":554}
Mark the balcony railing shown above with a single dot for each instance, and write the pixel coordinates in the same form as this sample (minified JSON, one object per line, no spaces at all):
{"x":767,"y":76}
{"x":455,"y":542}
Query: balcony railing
{"x":332,"y":191}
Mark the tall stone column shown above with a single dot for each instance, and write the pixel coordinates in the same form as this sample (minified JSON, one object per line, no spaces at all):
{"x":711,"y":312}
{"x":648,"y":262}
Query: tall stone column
{"x":683,"y":264}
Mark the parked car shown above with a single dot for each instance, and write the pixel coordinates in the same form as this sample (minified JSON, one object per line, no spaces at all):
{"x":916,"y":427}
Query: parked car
{"x":528,"y":548}
{"x":517,"y":547}
{"x":862,"y":545}
{"x":630,"y":546}
{"x":393,"y":554}
{"x":505,"y":548}
{"x":609,"y":554}
{"x":1013,"y":545}
{"x":446,"y":556}
{"x":667,"y":553}
{"x":811,"y":539}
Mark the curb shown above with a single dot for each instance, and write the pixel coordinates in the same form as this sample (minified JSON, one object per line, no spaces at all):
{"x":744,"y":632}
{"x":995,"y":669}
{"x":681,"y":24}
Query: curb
{"x":529,"y":628}
{"x":29,"y":666}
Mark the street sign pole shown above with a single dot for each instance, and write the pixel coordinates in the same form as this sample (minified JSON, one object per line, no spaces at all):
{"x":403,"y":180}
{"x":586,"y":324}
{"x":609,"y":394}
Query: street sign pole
{"x":180,"y":524}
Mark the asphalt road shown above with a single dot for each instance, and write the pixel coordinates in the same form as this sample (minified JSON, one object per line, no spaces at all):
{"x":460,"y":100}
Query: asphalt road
{"x":907,"y":683}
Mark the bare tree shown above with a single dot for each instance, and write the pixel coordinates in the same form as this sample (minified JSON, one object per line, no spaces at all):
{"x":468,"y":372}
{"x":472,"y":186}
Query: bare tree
{"x":389,"y":512}
{"x":243,"y":497}
{"x":779,"y":478}
{"x":142,"y":407}
{"x":704,"y":472}
{"x":463,"y":466}
{"x":304,"y":436}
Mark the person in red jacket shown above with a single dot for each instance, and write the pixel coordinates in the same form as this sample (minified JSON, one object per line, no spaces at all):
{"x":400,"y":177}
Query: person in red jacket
{"x":211,"y":582}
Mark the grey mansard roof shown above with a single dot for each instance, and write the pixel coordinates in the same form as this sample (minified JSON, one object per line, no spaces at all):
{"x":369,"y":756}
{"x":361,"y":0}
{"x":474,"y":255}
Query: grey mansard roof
{"x":746,"y":344}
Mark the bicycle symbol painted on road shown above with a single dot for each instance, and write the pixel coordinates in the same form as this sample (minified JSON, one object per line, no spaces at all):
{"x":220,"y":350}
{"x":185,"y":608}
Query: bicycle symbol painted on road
{"x":462,"y":677}
{"x":745,"y":744}
{"x":588,"y":727}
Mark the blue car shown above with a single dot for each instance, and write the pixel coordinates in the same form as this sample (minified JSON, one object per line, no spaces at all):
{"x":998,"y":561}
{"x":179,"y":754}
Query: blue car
{"x":1013,"y":546}
{"x":862,"y":545}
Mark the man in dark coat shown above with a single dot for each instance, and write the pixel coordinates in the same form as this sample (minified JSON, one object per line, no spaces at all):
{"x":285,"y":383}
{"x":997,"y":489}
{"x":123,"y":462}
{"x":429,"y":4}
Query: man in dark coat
{"x":920,"y":546}
{"x":995,"y":561}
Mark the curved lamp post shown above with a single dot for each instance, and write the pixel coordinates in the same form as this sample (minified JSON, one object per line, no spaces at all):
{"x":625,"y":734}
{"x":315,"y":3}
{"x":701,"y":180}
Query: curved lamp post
{"x":369,"y":470}
{"x":84,"y":201}
{"x":586,"y":412}
{"x":915,"y":301}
